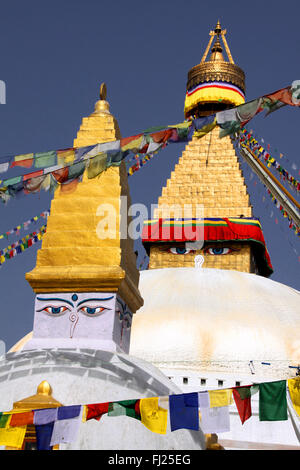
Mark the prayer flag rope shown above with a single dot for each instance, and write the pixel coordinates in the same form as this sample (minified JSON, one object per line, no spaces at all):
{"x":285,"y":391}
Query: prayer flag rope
{"x":24,"y":225}
{"x":17,"y":248}
{"x":65,"y":167}
{"x":292,"y":224}
{"x":205,"y":410}
{"x":247,"y":140}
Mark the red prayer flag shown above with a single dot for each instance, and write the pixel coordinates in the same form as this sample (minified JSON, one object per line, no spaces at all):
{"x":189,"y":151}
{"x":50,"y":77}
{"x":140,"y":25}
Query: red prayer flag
{"x":27,"y":163}
{"x":22,"y":419}
{"x":95,"y":411}
{"x":242,"y":398}
{"x":61,"y":175}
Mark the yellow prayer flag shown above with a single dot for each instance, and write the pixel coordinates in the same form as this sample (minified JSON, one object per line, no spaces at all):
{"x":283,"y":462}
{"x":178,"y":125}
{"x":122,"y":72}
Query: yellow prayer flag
{"x":12,"y":436}
{"x":23,"y":156}
{"x":294,"y":390}
{"x":65,"y":156}
{"x":153,"y":416}
{"x":220,"y":397}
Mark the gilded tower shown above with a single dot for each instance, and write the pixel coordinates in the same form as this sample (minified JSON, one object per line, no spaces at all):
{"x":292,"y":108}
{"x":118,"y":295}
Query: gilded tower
{"x":207,"y":182}
{"x":85,"y":279}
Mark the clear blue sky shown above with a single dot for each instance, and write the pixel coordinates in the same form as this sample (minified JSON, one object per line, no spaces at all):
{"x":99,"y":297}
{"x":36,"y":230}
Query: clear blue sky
{"x":54,"y":55}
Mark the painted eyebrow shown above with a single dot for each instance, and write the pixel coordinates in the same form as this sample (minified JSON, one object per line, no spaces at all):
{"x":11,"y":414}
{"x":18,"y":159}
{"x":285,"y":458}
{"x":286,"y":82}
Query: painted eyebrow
{"x":60,"y":300}
{"x":90,"y":300}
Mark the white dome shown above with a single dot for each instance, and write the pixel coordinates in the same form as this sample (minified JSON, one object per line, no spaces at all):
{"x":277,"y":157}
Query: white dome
{"x":216,"y":319}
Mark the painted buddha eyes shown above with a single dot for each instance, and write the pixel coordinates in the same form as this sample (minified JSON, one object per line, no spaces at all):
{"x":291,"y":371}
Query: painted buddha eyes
{"x":209,"y":250}
{"x":52,"y":310}
{"x":180,"y":250}
{"x":92,"y":311}
{"x":218,"y":250}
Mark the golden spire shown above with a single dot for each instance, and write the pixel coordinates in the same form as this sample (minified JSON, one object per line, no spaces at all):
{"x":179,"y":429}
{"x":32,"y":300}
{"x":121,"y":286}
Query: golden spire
{"x":75,"y":254}
{"x":203,"y":96}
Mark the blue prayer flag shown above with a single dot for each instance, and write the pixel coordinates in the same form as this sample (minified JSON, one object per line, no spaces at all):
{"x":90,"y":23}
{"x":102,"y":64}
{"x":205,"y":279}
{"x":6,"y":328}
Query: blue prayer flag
{"x":184,"y":412}
{"x":43,"y":436}
{"x":68,"y":412}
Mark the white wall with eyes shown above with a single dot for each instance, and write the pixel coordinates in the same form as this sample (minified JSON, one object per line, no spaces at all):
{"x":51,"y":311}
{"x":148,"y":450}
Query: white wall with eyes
{"x":90,"y":316}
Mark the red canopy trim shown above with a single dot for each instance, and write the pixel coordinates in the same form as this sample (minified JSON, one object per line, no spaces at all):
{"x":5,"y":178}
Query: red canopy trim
{"x":211,"y":230}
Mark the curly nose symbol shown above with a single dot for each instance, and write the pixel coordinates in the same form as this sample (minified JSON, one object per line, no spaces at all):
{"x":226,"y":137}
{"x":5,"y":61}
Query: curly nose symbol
{"x":73,"y":319}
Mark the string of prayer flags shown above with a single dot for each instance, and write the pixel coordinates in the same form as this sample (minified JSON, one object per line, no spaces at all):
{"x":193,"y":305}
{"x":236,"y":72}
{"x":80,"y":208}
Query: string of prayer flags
{"x":206,"y":410}
{"x":24,"y":225}
{"x":272,"y":401}
{"x":292,"y":224}
{"x":246,"y":139}
{"x":153,"y":416}
{"x":65,"y":167}
{"x":18,"y":247}
{"x":232,"y":120}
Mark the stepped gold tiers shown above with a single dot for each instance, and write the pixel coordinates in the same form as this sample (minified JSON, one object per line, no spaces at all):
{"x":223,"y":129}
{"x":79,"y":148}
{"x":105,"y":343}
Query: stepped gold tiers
{"x":214,"y":84}
{"x":73,"y":256}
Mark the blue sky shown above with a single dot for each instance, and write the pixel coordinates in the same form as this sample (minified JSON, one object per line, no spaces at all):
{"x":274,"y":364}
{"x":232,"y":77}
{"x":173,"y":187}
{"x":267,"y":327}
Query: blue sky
{"x":54,"y":56}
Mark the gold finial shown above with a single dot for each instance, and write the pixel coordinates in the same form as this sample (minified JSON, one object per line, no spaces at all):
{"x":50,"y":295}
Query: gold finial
{"x":218,"y":28}
{"x":44,"y":388}
{"x":103,"y":91}
{"x":102,"y":106}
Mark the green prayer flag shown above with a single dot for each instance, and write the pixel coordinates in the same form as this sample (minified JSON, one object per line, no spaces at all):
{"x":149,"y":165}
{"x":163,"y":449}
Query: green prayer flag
{"x":272,"y":401}
{"x":45,"y":159}
{"x":124,"y":408}
{"x":3,"y":420}
{"x":96,"y":165}
{"x":76,"y":170}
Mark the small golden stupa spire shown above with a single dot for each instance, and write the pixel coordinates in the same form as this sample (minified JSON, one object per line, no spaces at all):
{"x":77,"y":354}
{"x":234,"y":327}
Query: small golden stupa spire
{"x":76,"y":255}
{"x":41,"y":399}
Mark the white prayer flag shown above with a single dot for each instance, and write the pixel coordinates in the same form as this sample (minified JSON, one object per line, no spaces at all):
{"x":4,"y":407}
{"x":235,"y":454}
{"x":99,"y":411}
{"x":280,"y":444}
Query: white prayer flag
{"x":214,"y":420}
{"x":66,"y":430}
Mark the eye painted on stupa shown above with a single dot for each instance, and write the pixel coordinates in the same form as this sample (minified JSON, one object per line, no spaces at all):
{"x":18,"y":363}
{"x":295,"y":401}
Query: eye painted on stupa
{"x":93,"y":311}
{"x":218,"y":250}
{"x":54,"y":310}
{"x":180,"y":250}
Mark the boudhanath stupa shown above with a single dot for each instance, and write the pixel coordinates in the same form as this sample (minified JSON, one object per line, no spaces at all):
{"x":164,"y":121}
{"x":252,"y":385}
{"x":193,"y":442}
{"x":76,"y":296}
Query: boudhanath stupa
{"x":203,"y":316}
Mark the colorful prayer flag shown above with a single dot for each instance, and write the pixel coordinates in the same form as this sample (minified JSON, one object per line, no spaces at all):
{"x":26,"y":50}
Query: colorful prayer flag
{"x":272,"y":401}
{"x":220,"y":397}
{"x":45,"y":416}
{"x":43,"y":436}
{"x":65,"y":430}
{"x":242,"y":398}
{"x":215,"y":420}
{"x":97,"y":410}
{"x":184,"y":413}
{"x":294,"y":391}
{"x":21,"y":419}
{"x":12,"y":436}
{"x":129,"y":408}
{"x":153,"y":416}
